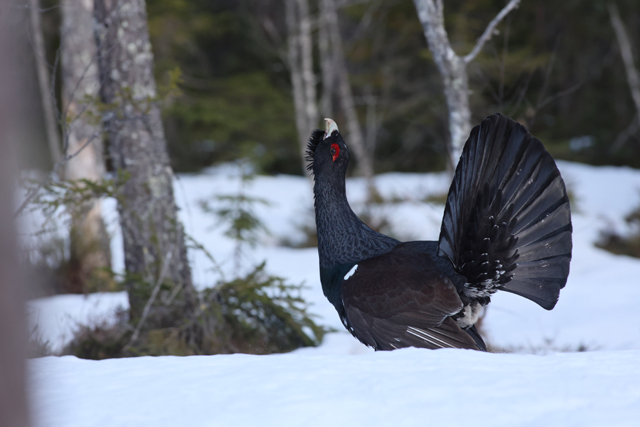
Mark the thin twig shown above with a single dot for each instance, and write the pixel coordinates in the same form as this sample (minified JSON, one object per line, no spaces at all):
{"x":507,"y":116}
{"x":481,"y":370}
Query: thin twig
{"x":624,"y":135}
{"x":363,"y":25}
{"x":522,"y":93}
{"x":488,"y":32}
{"x":503,"y":61}
{"x":560,"y":94}
{"x":147,"y":307}
{"x":633,"y":76}
{"x":209,"y":256}
{"x":34,"y":191}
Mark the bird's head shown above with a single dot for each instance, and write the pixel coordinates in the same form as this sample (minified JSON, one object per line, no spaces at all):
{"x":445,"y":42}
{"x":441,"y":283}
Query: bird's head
{"x":327,"y":151}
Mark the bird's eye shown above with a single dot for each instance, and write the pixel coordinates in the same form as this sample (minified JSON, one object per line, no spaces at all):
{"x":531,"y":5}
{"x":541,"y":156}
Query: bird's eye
{"x":335,"y":151}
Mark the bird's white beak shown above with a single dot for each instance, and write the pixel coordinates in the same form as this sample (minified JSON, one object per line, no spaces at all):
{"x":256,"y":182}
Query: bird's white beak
{"x":330,"y":126}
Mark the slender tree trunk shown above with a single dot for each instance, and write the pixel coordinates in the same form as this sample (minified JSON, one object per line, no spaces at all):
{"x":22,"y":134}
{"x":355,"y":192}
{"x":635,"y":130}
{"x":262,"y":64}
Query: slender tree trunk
{"x":46,"y":95}
{"x":453,"y":68}
{"x":355,"y":136}
{"x":300,"y":58}
{"x":90,"y":252}
{"x":326,"y":63}
{"x":456,"y":91}
{"x":293,"y":57}
{"x":13,"y":330}
{"x":308,"y":76}
{"x":154,"y":241}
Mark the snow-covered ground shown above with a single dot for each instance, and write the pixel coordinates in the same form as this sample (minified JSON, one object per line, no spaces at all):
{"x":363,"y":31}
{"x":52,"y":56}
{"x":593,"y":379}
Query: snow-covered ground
{"x":410,"y":387}
{"x":342,"y":382}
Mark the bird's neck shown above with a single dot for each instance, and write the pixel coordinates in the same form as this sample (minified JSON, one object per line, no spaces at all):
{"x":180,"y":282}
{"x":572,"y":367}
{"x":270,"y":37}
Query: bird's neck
{"x":342,"y":237}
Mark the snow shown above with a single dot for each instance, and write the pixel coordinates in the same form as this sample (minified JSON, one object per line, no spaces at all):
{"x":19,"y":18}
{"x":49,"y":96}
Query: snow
{"x":405,"y":387}
{"x":57,"y":317}
{"x":342,"y":382}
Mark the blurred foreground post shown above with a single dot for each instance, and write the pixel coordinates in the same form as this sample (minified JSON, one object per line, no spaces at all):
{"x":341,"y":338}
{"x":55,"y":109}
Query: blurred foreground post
{"x":13,"y":395}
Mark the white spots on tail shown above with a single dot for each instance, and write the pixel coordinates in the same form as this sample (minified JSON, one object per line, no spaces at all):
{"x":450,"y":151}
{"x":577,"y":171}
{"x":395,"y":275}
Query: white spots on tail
{"x":351,"y":272}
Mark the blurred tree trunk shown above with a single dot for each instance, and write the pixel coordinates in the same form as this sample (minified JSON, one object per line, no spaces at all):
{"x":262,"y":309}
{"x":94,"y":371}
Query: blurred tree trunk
{"x":300,"y":58}
{"x":158,"y":273}
{"x":633,"y":76}
{"x":46,"y":95}
{"x":355,"y":136}
{"x":453,"y":69}
{"x":90,"y":252}
{"x":326,"y":63}
{"x":333,"y":68}
{"x":13,"y":329}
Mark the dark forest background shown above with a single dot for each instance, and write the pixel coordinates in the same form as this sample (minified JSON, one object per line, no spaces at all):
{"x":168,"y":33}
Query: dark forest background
{"x":554,"y":66}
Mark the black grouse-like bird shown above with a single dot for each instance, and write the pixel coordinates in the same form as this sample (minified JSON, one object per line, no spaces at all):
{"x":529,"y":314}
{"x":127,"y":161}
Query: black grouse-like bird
{"x":506,"y":226}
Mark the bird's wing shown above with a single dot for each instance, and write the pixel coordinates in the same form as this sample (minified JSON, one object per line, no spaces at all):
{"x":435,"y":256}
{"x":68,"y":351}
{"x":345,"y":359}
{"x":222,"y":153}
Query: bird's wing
{"x":507,"y":221}
{"x":399,"y":300}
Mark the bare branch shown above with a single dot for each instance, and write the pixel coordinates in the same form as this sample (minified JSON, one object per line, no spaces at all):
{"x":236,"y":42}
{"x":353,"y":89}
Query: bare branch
{"x":633,"y":76}
{"x":623,"y":136}
{"x":547,"y":74}
{"x":560,"y":94}
{"x":363,"y":25}
{"x":58,"y":167}
{"x":489,"y":31}
{"x":152,"y":298}
{"x":272,"y":32}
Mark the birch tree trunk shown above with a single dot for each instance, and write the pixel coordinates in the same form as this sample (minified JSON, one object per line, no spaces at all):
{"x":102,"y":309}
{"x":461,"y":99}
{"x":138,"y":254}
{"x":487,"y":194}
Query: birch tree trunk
{"x":308,"y":75}
{"x":295,"y":71}
{"x":300,"y":58}
{"x":90,"y":252}
{"x":453,"y":68}
{"x":326,"y":63}
{"x":154,"y":241}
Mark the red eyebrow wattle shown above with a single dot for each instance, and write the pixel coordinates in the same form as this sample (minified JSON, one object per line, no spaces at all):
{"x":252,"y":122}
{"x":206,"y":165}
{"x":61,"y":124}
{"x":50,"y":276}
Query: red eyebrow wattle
{"x":335,"y":147}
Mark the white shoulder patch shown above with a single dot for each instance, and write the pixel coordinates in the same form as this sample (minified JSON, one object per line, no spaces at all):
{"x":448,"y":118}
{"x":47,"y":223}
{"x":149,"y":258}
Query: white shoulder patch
{"x":351,"y":272}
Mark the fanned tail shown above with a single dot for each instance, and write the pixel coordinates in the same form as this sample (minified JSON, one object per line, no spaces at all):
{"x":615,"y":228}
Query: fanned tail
{"x":507,"y":222}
